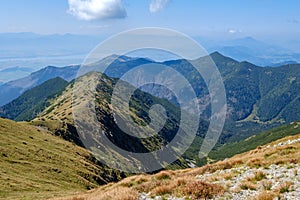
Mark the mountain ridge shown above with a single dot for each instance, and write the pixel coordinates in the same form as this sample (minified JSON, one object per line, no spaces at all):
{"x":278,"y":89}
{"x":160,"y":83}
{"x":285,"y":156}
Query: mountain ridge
{"x":250,"y":89}
{"x":13,"y":89}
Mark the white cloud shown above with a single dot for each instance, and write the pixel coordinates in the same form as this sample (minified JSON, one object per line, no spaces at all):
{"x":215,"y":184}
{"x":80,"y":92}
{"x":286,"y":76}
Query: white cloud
{"x":157,"y":5}
{"x":234,"y":31}
{"x":96,"y":9}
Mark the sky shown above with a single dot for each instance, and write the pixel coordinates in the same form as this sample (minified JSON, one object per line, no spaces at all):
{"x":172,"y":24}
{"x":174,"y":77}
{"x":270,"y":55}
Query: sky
{"x":265,"y":19}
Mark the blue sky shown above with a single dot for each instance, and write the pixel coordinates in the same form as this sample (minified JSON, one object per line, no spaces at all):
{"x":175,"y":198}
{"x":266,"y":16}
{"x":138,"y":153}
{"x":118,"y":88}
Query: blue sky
{"x":210,"y":18}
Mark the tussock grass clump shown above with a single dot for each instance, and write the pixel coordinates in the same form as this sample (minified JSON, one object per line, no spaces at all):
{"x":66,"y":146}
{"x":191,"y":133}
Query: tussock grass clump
{"x":267,"y":184}
{"x":200,"y":189}
{"x":164,"y":189}
{"x":225,"y":164}
{"x":247,"y":185}
{"x":116,"y":193}
{"x":78,"y":198}
{"x":255,"y":162}
{"x":265,"y":196}
{"x":259,"y":175}
{"x":119,"y":193}
{"x":284,"y":187}
{"x":163,"y":175}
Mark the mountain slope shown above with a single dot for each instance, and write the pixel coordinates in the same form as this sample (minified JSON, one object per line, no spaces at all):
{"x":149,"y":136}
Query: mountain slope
{"x":33,"y":101}
{"x":58,"y":118}
{"x":267,"y":172}
{"x":37,"y":165}
{"x":258,"y":98}
{"x":260,"y":139}
{"x":13,"y":89}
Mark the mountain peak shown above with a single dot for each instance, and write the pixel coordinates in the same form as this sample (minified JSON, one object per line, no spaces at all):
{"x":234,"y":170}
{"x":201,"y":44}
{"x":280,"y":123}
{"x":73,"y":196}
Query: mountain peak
{"x":216,"y":56}
{"x":216,"y":53}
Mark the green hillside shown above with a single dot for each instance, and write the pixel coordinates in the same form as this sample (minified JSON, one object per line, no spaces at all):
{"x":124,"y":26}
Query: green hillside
{"x":37,"y":165}
{"x":231,"y":149}
{"x":32,"y":102}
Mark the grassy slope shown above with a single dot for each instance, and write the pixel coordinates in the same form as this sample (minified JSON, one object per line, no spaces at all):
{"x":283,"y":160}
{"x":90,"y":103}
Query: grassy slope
{"x":36,"y":165}
{"x":231,"y":149}
{"x":183,"y":182}
{"x":58,"y":117}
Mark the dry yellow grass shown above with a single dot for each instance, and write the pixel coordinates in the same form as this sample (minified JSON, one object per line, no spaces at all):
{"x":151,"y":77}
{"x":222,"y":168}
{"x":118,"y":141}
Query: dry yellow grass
{"x":266,"y":196}
{"x":116,"y":193}
{"x":248,"y":185}
{"x":161,"y":184}
{"x":183,"y":182}
{"x":37,"y":165}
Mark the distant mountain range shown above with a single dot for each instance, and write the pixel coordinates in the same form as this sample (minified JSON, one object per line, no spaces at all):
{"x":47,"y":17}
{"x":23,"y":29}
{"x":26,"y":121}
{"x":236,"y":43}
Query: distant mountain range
{"x":15,"y":69}
{"x":252,"y":50}
{"x":258,"y":98}
{"x":30,"y":45}
{"x":13,"y":73}
{"x":13,"y":89}
{"x":35,"y":50}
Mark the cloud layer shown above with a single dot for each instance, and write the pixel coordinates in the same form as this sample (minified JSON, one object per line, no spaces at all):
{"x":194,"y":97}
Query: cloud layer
{"x":157,"y":5}
{"x":96,"y":9}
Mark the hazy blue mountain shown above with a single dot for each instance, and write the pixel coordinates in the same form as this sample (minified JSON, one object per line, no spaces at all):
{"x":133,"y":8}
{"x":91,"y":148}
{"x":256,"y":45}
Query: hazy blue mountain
{"x":284,"y":63}
{"x":13,"y":89}
{"x":252,"y":50}
{"x":36,"y":50}
{"x":14,"y":73}
{"x":24,"y":45}
{"x":16,"y":69}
